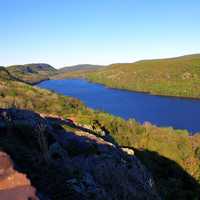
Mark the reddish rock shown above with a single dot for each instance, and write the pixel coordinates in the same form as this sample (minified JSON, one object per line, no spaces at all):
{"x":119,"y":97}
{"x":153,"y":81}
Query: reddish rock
{"x":13,"y":184}
{"x":18,"y":193}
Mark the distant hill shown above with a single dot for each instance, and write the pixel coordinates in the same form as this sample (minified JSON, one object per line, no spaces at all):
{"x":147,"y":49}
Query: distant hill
{"x":80,"y":67}
{"x":32,"y":68}
{"x":178,"y":76}
{"x":76,"y":71}
{"x":31,"y":73}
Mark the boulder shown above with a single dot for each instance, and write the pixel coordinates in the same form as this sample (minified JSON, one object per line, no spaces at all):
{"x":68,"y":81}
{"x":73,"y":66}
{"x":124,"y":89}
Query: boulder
{"x":128,"y":151}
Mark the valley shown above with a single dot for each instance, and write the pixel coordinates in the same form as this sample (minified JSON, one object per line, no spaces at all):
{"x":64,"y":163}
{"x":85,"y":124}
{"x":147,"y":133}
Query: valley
{"x":156,"y":147}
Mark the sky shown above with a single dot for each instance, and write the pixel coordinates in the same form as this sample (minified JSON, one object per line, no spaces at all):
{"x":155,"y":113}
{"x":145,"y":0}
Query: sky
{"x":68,"y":32}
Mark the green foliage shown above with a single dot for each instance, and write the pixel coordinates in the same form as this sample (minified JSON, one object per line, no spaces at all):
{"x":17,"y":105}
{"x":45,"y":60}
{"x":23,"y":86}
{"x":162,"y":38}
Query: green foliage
{"x":174,"y":77}
{"x":20,"y":95}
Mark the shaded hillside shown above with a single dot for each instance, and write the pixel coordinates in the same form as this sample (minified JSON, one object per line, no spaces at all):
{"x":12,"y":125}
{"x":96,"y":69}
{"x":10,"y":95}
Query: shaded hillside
{"x":180,"y":152}
{"x":174,"y":76}
{"x":4,"y":74}
{"x":32,"y":73}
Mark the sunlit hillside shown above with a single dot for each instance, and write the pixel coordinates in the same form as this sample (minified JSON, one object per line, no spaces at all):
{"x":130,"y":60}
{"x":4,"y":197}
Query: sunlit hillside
{"x":174,"y":77}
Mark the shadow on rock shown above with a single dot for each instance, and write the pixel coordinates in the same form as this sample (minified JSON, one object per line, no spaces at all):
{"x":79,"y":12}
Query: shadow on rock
{"x":172,"y":181}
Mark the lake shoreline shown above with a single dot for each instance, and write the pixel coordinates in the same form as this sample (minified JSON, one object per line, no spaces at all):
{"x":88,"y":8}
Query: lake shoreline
{"x":134,"y":91}
{"x":162,"y":111}
{"x":38,"y":82}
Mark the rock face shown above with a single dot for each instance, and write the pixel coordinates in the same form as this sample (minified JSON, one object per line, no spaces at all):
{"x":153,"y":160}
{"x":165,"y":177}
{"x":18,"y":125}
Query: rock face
{"x":21,"y":117}
{"x":79,"y":165}
{"x":14,"y":185}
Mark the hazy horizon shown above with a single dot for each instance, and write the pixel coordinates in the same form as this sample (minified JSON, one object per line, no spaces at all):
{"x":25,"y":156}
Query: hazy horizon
{"x":59,"y":67}
{"x":64,"y":33}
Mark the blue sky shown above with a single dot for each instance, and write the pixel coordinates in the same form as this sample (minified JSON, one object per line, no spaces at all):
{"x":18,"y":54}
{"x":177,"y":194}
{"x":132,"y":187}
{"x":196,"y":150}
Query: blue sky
{"x":66,"y":32}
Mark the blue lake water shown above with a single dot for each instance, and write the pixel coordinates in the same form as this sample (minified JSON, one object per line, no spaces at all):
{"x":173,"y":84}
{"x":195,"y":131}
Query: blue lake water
{"x":162,"y":111}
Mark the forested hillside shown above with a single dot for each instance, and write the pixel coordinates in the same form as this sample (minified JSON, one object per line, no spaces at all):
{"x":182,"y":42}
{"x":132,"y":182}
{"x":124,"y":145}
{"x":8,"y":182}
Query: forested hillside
{"x":172,"y":77}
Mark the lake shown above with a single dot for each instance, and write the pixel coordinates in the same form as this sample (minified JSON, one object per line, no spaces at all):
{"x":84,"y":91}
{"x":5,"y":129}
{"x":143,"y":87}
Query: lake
{"x":161,"y":111}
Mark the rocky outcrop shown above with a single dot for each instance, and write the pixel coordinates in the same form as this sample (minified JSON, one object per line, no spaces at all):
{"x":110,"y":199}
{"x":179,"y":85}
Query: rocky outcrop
{"x":13,"y":184}
{"x":21,"y":117}
{"x":79,"y":165}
